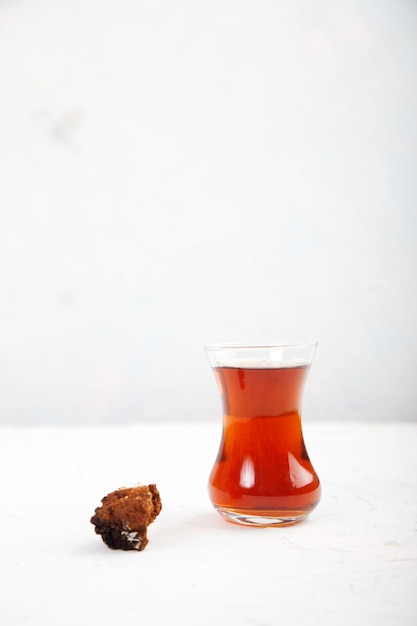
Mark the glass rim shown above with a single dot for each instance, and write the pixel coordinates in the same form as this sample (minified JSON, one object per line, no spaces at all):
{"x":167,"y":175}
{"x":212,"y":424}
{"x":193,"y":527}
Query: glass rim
{"x":260,"y":345}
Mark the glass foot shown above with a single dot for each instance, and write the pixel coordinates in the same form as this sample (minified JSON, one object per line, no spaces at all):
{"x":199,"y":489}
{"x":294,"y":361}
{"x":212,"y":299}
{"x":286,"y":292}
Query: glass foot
{"x":263,"y":519}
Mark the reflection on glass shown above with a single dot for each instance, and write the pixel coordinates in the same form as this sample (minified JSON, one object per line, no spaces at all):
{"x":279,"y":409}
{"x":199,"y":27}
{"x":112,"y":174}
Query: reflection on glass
{"x":247,"y":473}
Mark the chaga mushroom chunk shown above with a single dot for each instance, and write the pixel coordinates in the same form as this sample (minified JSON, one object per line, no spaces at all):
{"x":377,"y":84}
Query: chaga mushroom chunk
{"x":124,"y":517}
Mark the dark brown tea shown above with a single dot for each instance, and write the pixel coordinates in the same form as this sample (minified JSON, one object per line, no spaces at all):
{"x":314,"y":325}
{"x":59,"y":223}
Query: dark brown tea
{"x":262,"y":467}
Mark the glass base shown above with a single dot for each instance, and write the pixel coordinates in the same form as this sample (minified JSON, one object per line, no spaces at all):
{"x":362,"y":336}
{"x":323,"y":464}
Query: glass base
{"x":263,"y":519}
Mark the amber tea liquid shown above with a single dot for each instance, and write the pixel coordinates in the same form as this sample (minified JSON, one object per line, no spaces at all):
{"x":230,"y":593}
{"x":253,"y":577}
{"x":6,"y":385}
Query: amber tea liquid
{"x":262,"y":467}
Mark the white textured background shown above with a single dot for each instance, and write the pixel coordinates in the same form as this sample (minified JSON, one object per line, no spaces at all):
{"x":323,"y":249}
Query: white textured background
{"x":175,"y":173}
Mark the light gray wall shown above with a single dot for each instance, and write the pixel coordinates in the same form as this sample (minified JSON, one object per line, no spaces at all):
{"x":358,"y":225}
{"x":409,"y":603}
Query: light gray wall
{"x":175,"y":173}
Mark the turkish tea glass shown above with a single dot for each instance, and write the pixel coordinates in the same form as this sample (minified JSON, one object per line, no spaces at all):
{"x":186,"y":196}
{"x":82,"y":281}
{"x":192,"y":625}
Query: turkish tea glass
{"x":262,"y":475}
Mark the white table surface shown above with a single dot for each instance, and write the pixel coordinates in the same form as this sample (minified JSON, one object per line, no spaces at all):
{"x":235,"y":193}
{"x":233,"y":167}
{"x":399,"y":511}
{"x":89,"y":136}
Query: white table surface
{"x":353,"y":561}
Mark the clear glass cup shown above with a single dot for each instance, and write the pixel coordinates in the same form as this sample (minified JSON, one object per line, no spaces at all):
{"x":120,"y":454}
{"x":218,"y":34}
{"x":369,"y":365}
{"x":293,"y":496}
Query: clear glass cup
{"x":262,"y":475}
